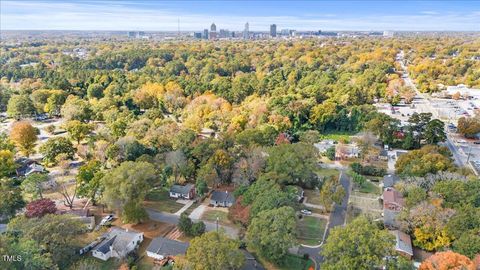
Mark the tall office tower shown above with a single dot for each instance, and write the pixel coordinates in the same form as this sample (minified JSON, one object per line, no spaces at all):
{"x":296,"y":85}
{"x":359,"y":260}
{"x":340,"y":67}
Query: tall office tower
{"x":205,"y":34}
{"x":213,"y":31}
{"x":246,"y":33}
{"x":273,"y":30}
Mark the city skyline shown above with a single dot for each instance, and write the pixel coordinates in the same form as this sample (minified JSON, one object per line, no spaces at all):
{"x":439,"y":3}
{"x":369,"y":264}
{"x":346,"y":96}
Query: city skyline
{"x":195,"y":16}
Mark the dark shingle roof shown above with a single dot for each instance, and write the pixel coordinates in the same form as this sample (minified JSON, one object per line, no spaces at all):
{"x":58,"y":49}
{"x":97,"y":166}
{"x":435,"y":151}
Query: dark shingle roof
{"x":182,"y":189}
{"x":250,"y":262}
{"x":104,"y":247}
{"x":390,"y":218}
{"x":390,"y":180}
{"x":222,"y":196}
{"x":167,"y":247}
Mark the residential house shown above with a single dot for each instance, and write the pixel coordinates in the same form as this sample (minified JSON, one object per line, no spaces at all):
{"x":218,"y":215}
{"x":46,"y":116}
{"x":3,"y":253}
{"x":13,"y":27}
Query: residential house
{"x":324,"y":145}
{"x":28,"y":166}
{"x":300,"y":194}
{"x":390,"y":219}
{"x":207,"y":133}
{"x":182,"y":192}
{"x":222,"y":198}
{"x":117,"y":243}
{"x":346,"y":151}
{"x":392,"y":200}
{"x":251,"y":262}
{"x":81,"y":215}
{"x":161,"y":248}
{"x":403,"y":244}
{"x":390,"y":180}
{"x":383,"y":155}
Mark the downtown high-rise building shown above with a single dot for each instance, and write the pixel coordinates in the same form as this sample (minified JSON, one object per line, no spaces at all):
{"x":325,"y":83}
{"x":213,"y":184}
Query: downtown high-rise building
{"x":273,"y":30}
{"x":213,"y":31}
{"x":205,"y":34}
{"x":246,"y":32}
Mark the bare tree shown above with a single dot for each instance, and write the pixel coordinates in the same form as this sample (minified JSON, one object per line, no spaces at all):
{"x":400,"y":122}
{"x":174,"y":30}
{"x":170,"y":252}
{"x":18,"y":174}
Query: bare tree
{"x":69,"y":199}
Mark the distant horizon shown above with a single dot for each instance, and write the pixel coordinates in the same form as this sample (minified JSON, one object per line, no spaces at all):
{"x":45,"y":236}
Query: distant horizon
{"x":163,"y":16}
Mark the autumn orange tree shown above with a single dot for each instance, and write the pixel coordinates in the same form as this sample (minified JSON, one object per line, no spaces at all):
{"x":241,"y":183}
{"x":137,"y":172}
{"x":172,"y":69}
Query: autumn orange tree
{"x":24,"y":135}
{"x":448,"y":260}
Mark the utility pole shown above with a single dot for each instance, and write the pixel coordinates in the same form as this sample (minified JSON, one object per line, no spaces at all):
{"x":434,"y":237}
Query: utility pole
{"x":216,"y":222}
{"x":469,"y":153}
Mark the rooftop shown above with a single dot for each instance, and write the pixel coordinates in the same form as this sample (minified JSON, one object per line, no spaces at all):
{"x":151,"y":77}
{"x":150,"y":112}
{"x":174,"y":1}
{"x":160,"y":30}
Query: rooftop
{"x":222,"y":196}
{"x":182,"y":189}
{"x":165,"y":246}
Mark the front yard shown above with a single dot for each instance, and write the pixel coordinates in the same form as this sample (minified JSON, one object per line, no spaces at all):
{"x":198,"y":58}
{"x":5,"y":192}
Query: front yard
{"x":159,"y":200}
{"x":310,"y":230}
{"x":212,"y":214}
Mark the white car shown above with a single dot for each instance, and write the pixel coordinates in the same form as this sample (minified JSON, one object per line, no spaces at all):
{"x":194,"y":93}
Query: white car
{"x":306,"y":212}
{"x":106,"y":220}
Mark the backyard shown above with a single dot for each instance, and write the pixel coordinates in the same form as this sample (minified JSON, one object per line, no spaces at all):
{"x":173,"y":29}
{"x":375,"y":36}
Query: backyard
{"x":311,"y":230}
{"x":159,"y":200}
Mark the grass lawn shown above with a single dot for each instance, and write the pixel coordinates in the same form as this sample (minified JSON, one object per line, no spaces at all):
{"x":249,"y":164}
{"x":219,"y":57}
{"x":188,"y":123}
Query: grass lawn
{"x":336,"y":136}
{"x":327,"y":172}
{"x":94,"y":263}
{"x":310,"y":230}
{"x":313,"y":196}
{"x":159,"y":200}
{"x":370,"y":187}
{"x":211,"y":215}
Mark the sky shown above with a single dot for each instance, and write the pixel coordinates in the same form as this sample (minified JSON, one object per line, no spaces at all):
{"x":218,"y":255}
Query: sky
{"x":198,"y":15}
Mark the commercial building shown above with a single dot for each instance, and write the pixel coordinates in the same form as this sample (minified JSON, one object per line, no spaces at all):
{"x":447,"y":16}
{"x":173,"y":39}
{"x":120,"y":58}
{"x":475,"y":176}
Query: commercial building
{"x":213,"y":31}
{"x":246,"y":32}
{"x":273,"y":30}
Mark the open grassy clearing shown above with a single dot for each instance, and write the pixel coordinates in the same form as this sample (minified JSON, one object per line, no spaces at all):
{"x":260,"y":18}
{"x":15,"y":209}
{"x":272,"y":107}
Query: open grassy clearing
{"x":369,"y":187}
{"x":310,"y":230}
{"x":159,"y":200}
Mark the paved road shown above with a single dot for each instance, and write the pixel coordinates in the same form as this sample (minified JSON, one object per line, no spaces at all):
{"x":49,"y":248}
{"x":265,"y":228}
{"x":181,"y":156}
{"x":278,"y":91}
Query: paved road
{"x":173,"y":219}
{"x":337,"y":218}
{"x":428,"y":107}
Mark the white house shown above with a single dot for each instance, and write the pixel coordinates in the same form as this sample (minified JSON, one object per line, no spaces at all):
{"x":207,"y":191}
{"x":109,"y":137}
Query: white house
{"x":182,"y":192}
{"x":117,"y":243}
{"x":161,"y":248}
{"x":222,"y":198}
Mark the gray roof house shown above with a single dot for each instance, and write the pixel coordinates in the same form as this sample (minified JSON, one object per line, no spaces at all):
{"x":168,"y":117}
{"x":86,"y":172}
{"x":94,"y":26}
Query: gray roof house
{"x":404,"y":244}
{"x":390,"y":180}
{"x":117,"y":243}
{"x":250,"y":262}
{"x":182,"y":192}
{"x":222,"y":198}
{"x":390,"y":219}
{"x":161,"y":248}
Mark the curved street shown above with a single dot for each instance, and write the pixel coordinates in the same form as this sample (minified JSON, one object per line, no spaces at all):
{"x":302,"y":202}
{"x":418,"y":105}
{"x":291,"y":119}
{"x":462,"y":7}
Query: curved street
{"x":337,"y":218}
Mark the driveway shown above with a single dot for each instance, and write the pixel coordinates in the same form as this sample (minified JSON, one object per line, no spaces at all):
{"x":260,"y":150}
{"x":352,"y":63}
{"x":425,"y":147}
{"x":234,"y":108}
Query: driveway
{"x":173,"y":219}
{"x":337,"y":218}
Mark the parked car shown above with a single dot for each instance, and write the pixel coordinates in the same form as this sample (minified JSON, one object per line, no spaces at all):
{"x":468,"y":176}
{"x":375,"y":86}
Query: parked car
{"x":306,"y":212}
{"x":105,"y":220}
